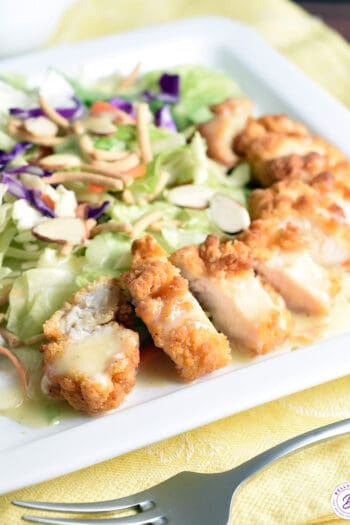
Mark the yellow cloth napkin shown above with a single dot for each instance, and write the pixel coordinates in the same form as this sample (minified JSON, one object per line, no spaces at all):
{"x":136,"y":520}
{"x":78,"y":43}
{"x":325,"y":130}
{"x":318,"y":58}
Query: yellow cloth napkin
{"x":297,"y":490}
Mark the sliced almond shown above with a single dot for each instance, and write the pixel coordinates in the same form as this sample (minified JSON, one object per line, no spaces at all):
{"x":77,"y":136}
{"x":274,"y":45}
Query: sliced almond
{"x":228,"y":214}
{"x":190,"y":196}
{"x":100,"y":125}
{"x":41,"y":126}
{"x":17,"y":129}
{"x":63,"y":230}
{"x":60,"y":161}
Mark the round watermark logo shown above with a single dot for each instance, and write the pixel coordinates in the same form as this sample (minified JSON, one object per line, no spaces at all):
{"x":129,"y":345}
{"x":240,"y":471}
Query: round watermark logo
{"x":341,"y":501}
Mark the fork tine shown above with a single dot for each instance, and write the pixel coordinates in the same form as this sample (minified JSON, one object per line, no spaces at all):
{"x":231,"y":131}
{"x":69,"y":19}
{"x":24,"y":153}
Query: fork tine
{"x":140,"y":519}
{"x":136,"y":501}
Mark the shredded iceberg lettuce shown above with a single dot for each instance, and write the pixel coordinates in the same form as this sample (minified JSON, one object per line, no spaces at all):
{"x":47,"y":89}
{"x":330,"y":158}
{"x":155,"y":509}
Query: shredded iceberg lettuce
{"x":200,"y":87}
{"x":38,"y":276}
{"x":39,"y":292}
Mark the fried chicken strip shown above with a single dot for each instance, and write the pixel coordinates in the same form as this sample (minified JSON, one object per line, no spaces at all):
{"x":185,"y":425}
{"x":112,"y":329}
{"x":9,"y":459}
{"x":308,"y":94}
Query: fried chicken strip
{"x":278,"y":148}
{"x":229,"y":119}
{"x":284,"y":195}
{"x":221,"y":276}
{"x":314,"y":212}
{"x":335,"y":184}
{"x":91,"y":359}
{"x":172,"y":315}
{"x":282,"y":256}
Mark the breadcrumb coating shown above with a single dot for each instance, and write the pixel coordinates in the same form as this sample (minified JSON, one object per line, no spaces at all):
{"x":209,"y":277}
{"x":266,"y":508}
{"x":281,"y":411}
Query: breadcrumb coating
{"x":278,"y":148}
{"x":320,"y":219}
{"x":282,"y":254}
{"x":221,"y":276}
{"x":172,"y":315}
{"x":334,"y":184}
{"x":91,"y":359}
{"x":293,"y":194}
{"x":228,"y":256}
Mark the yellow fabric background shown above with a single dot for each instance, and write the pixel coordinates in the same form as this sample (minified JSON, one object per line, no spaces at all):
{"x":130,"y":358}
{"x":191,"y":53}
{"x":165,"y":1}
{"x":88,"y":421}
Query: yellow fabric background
{"x":297,"y":490}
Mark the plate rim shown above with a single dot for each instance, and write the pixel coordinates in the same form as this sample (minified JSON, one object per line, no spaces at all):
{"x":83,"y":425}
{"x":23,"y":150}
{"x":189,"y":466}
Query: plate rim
{"x":226,"y":389}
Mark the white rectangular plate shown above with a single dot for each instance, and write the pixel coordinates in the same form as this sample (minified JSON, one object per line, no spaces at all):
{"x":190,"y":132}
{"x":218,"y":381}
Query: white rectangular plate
{"x":157,"y":410}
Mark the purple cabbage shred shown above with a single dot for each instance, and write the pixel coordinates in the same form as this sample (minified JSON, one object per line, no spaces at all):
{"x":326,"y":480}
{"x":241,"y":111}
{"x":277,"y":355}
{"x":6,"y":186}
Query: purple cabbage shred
{"x":170,"y":84}
{"x":124,"y":105}
{"x":95,"y":213}
{"x":8,"y":156}
{"x":19,"y":190}
{"x":164,"y":119}
{"x":169,"y":90}
{"x":77,"y":111}
{"x":28,"y":168}
{"x":15,"y":187}
{"x":149,"y":96}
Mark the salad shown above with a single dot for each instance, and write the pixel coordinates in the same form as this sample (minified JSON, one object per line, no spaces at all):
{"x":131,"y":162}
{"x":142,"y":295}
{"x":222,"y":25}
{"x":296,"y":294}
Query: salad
{"x":87,"y":168}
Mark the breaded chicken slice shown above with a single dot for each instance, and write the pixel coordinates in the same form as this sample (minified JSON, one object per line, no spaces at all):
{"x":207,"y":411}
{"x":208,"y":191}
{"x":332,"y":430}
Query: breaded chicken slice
{"x":320,"y":219}
{"x":287,"y":194}
{"x":230,"y":117}
{"x":294,"y":166}
{"x":335,"y":184}
{"x":282,"y":256}
{"x":91,"y":359}
{"x":277,"y":148}
{"x":172,"y":315}
{"x":221,"y":276}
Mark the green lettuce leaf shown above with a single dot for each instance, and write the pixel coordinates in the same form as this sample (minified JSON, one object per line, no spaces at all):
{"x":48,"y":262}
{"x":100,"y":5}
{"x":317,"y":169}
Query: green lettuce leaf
{"x":200,"y":87}
{"x":196,"y":225}
{"x":107,"y":254}
{"x":39,"y":292}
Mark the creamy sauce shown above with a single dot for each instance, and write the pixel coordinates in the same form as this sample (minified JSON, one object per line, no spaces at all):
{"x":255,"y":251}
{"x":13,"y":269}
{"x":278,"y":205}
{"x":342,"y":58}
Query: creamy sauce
{"x":309,"y":329}
{"x":39,"y":412}
{"x":36,"y":410}
{"x":11,"y":392}
{"x":91,"y":355}
{"x":156,"y":369}
{"x":186,"y":310}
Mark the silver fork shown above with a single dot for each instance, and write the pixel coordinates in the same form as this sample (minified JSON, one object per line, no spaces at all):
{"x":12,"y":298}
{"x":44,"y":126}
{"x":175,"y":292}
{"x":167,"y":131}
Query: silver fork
{"x":187,"y":498}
